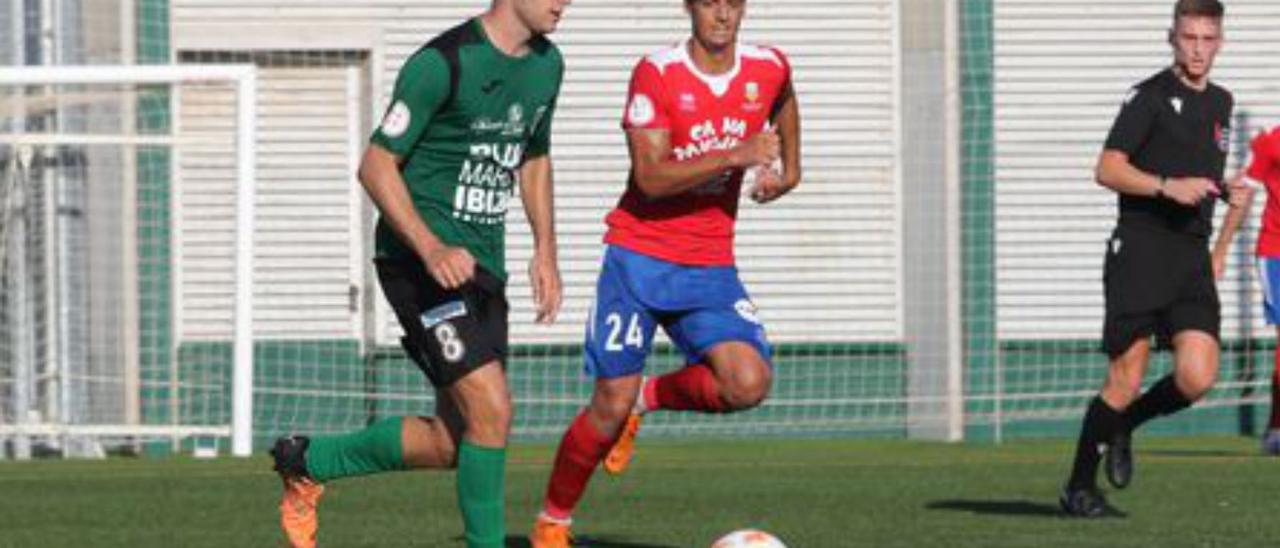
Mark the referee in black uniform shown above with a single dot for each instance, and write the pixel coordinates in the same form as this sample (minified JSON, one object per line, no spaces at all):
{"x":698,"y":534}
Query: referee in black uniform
{"x":1164,"y":158}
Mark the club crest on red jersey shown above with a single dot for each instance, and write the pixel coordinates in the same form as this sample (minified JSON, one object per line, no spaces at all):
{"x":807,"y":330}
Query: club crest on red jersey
{"x":751,"y":93}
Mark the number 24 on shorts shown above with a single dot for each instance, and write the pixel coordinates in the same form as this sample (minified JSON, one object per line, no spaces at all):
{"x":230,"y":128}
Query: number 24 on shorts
{"x":634,"y":332}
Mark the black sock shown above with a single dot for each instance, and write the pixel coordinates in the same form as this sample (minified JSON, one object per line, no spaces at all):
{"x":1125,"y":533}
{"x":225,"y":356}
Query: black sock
{"x":1163,"y":398}
{"x":1100,"y":423}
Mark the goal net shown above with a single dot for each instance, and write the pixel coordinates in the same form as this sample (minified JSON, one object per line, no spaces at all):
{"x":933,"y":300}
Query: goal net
{"x":98,"y":230}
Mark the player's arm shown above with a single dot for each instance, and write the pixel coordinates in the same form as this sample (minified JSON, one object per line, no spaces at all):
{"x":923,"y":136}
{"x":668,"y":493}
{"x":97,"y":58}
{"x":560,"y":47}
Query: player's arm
{"x":788,"y":122}
{"x":769,"y":184}
{"x":658,"y":174}
{"x":537,"y":195}
{"x":422,"y":86}
{"x":380,"y":176}
{"x":1115,"y":171}
{"x":1241,"y":190}
{"x":1241,"y":194}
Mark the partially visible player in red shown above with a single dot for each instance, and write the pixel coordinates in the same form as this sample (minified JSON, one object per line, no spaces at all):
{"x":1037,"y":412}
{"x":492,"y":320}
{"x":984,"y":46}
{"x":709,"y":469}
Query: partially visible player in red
{"x":1265,"y":168}
{"x":699,"y":115}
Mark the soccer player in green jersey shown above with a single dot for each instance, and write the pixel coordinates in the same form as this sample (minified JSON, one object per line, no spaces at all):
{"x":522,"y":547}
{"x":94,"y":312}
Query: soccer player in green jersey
{"x":469,"y":119}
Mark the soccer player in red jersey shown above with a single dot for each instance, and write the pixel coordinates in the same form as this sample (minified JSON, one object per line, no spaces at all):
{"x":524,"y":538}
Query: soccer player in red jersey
{"x":699,"y":115}
{"x":1265,"y":168}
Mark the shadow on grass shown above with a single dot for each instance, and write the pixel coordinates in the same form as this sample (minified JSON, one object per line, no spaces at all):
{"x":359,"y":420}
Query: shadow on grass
{"x":1193,"y":453}
{"x":1010,"y":508}
{"x":514,"y":541}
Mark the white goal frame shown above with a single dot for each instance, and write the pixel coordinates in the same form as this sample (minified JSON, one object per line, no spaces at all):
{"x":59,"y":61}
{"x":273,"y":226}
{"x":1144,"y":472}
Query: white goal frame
{"x":244,"y":78}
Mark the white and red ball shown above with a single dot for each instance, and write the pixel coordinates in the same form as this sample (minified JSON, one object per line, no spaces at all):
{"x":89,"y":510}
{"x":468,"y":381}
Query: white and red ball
{"x":748,"y":538}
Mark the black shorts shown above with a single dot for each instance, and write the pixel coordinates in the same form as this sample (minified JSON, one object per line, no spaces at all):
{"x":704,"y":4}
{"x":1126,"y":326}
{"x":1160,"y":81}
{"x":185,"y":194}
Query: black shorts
{"x":1156,"y":283}
{"x":448,"y":333}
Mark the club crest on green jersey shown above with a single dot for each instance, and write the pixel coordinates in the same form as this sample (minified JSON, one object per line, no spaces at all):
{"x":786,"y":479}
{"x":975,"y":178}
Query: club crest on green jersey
{"x":515,"y":120}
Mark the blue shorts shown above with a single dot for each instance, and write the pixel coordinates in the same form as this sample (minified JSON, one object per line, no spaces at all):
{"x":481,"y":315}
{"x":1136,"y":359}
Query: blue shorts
{"x":697,"y":306}
{"x":1269,"y":279}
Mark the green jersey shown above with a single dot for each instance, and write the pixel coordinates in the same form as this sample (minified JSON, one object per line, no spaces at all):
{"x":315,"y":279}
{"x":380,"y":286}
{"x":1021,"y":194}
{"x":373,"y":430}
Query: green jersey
{"x":463,"y":118}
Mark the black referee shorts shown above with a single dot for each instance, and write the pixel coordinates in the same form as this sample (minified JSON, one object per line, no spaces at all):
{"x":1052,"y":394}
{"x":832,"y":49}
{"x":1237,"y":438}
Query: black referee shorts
{"x":448,"y":332}
{"x":1156,"y":283}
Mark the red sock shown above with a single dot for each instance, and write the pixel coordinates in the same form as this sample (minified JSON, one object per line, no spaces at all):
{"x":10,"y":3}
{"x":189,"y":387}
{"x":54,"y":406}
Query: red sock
{"x":581,"y":449}
{"x":693,"y":388}
{"x":1275,"y":393}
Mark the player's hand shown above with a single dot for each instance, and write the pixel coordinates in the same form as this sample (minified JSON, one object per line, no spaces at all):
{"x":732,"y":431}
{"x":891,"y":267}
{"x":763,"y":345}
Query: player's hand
{"x":544,"y":277}
{"x":1189,"y":191}
{"x":760,"y":149}
{"x":769,"y":185}
{"x":451,"y":266}
{"x":1240,"y":192}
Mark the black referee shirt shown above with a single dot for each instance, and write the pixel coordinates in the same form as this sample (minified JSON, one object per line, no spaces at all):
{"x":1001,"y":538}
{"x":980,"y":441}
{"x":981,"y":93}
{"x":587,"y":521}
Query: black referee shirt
{"x":1169,"y":129}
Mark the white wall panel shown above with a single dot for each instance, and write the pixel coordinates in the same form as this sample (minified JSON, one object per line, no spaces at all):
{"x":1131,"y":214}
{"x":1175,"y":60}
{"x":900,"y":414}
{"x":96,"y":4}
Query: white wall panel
{"x":822,"y":264}
{"x":1061,"y":71}
{"x":304,"y":243}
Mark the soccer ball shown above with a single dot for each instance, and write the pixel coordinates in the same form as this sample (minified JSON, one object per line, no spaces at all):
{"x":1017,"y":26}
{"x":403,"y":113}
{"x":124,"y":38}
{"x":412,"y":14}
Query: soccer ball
{"x":748,"y":538}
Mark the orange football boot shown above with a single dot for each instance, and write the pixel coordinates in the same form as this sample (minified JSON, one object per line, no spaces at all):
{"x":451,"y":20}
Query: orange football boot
{"x":550,"y":533}
{"x":619,"y":456}
{"x":301,"y":493}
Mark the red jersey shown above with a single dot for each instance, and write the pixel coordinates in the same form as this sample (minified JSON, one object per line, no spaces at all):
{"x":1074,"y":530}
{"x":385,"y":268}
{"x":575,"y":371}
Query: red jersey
{"x":1265,"y":168}
{"x":701,"y":113}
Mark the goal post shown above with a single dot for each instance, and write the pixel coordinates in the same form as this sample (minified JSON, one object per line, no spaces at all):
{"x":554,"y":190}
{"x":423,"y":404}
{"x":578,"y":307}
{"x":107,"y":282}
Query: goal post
{"x":73,"y":108}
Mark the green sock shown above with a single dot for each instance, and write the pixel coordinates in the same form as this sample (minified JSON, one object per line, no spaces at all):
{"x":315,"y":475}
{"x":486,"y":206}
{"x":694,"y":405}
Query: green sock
{"x":369,"y":451}
{"x":481,"y":472}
